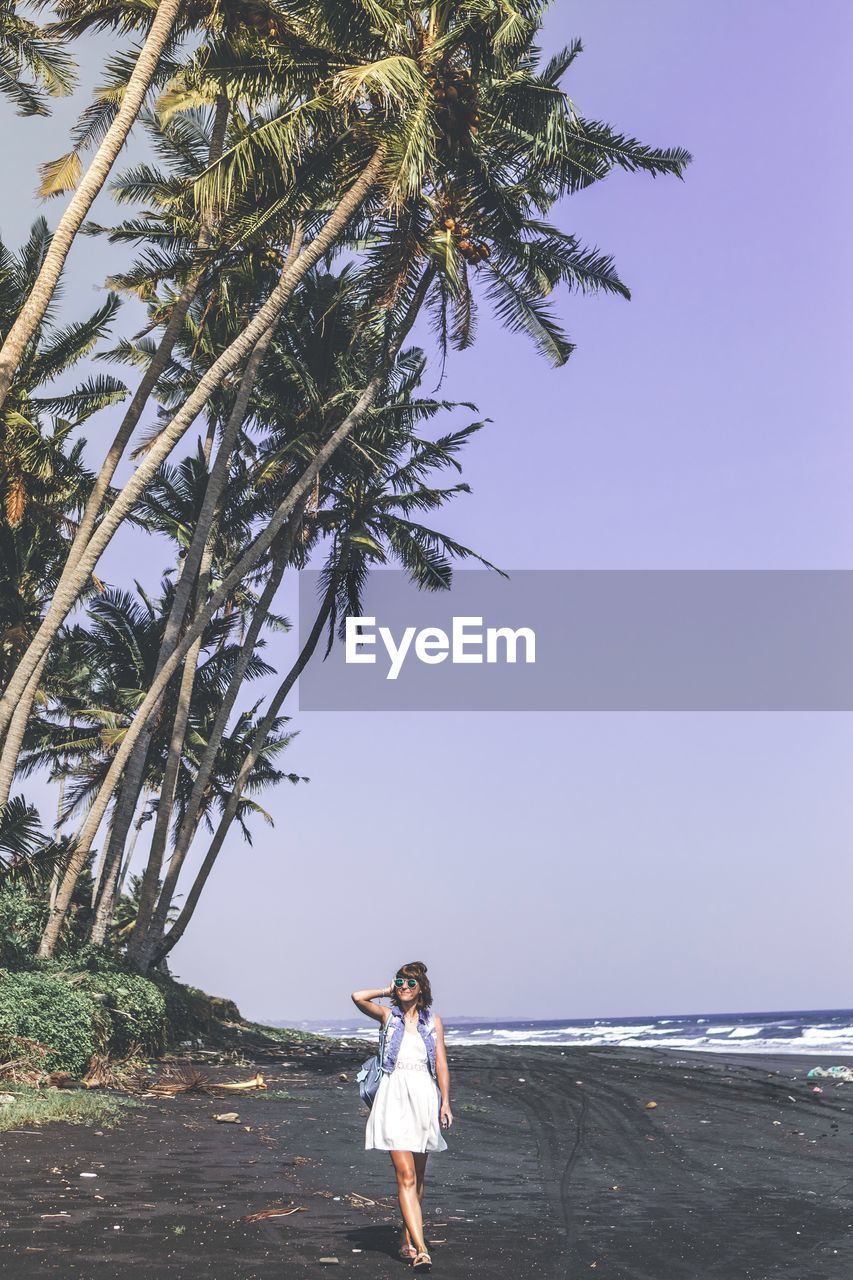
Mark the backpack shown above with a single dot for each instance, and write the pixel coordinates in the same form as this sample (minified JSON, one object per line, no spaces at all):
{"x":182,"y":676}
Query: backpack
{"x":370,"y":1075}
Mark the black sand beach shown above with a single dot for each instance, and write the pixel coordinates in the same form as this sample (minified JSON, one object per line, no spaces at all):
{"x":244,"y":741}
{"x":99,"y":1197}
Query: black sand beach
{"x":556,"y":1169}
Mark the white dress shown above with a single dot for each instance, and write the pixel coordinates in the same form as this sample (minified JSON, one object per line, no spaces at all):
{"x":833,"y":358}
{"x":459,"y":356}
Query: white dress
{"x":404,"y":1116}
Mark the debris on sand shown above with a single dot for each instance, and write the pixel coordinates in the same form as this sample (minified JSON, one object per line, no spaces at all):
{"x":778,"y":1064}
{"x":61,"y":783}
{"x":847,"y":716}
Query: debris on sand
{"x":257,"y":1082}
{"x":273,"y":1213}
{"x":63,"y":1080}
{"x":844,"y":1074}
{"x":28,"y":1066}
{"x":228,"y":1117}
{"x":127,"y":1074}
{"x":181,"y":1079}
{"x":187,"y":1079}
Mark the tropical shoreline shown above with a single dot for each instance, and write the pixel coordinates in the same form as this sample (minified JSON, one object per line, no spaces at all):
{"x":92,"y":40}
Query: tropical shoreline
{"x":556,"y":1166}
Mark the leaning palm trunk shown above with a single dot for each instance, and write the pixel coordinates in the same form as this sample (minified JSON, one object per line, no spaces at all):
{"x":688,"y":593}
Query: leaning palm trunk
{"x":158,"y":949}
{"x":114,"y":872}
{"x":229,"y":360}
{"x":32,"y":313}
{"x":18,"y":726}
{"x":151,"y":876}
{"x":125,"y":808}
{"x":128,"y":424}
{"x":103,"y":862}
{"x":130,"y":791}
{"x":248,"y":560}
{"x":190,"y":821}
{"x":199,"y":556}
{"x":158,"y":363}
{"x":198,"y":552}
{"x":199,"y":546}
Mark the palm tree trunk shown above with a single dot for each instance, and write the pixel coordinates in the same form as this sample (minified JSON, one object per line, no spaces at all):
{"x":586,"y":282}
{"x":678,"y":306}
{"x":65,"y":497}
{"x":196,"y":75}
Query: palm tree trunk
{"x":113,"y":878}
{"x":161,"y":949}
{"x":199,"y":555}
{"x":233,"y":356}
{"x":151,"y":875}
{"x":205,"y":769}
{"x":18,"y":727}
{"x":32,"y":312}
{"x":158,"y":363}
{"x":190,"y":565}
{"x":200,"y":542}
{"x":141,"y":396}
{"x":102,"y":863}
{"x":128,"y":796}
{"x":132,"y":786}
{"x":57,"y":826}
{"x":131,"y":849}
{"x":254,"y":553}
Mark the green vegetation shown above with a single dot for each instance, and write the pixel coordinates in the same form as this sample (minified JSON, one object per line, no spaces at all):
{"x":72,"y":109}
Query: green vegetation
{"x":56,"y":1019}
{"x":46,"y":1008}
{"x":74,"y":1106}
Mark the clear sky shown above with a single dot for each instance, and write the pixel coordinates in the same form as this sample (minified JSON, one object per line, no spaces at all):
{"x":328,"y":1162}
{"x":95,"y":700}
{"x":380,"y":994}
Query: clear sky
{"x":595,"y":865}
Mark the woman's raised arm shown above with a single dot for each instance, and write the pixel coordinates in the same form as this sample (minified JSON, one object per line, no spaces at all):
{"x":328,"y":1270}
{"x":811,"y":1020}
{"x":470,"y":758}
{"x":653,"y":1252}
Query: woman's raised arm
{"x":365,"y":1001}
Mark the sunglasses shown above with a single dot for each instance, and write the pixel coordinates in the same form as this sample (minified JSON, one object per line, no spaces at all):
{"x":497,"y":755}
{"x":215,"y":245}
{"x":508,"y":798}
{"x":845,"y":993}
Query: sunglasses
{"x":407,"y":982}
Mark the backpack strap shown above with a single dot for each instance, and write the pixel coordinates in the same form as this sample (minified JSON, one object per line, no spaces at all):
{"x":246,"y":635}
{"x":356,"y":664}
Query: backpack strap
{"x":383,"y":1033}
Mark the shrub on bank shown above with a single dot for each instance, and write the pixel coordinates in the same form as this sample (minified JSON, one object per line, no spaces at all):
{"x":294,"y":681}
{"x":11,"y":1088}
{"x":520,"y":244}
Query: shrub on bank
{"x":22,"y":919}
{"x":48,"y":1008}
{"x":78,"y":1014}
{"x":136,"y":1009}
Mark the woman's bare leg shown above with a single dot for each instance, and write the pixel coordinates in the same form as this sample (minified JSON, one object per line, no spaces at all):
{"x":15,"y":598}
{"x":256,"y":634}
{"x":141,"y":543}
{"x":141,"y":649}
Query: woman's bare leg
{"x":407,"y":1193}
{"x":420,"y":1159}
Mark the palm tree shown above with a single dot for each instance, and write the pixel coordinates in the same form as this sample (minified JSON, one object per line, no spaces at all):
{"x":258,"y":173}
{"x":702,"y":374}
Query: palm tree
{"x":97,"y":677}
{"x":31,"y":314}
{"x":365,"y":509}
{"x":296,"y":265}
{"x":402,"y":103}
{"x":506,"y":144}
{"x":27,"y":50}
{"x":43,"y":479}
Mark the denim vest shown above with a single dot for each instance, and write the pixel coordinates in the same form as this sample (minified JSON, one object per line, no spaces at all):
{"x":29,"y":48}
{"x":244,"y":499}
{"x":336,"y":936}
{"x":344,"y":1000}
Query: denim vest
{"x":395,"y":1029}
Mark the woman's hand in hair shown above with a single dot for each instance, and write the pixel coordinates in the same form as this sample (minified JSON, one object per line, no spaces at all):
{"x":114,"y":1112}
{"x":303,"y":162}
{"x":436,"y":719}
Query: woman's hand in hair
{"x":364,"y":1000}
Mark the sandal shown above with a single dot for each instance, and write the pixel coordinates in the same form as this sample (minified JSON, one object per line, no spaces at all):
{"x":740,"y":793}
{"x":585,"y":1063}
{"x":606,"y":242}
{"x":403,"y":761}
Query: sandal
{"x":422,"y":1262}
{"x":407,"y":1252}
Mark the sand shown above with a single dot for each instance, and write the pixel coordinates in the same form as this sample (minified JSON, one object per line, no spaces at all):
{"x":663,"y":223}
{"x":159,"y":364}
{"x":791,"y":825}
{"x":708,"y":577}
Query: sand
{"x":556,"y":1168}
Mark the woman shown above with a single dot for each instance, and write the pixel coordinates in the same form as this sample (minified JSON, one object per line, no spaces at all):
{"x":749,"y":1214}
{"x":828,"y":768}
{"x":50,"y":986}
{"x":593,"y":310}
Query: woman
{"x":412,"y":1104}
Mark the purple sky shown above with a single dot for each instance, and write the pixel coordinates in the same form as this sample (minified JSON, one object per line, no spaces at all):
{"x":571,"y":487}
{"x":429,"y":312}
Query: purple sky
{"x":596,"y":865}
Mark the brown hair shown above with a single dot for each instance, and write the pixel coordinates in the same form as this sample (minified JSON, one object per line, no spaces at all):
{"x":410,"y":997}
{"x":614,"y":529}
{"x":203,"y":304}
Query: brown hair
{"x":417,"y":969}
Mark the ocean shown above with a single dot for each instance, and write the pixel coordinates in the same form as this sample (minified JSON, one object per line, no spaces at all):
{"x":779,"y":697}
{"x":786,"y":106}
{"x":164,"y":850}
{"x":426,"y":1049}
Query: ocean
{"x":813,"y":1031}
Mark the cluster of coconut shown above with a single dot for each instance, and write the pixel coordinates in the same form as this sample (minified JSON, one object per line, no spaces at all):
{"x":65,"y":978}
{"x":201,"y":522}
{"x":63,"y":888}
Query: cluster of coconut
{"x":261,"y":20}
{"x":472,"y":251}
{"x":456,"y":103}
